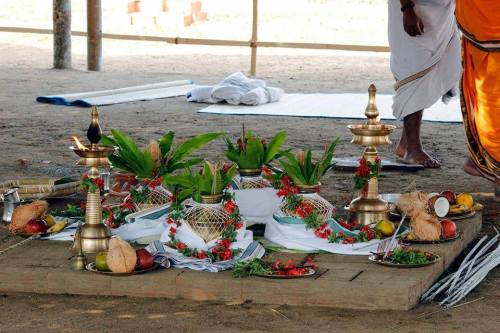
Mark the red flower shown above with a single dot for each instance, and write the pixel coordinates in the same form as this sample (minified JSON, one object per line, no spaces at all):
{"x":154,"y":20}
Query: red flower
{"x":377,"y":160}
{"x":238,"y":225}
{"x":83,"y":205}
{"x":226,"y":167}
{"x":172,"y":231}
{"x":225,"y":243}
{"x":170,"y":220}
{"x":267,"y":171}
{"x":127,"y":205}
{"x":172,"y":198}
{"x":363,"y":168}
{"x":305,"y":209}
{"x":282,"y":192}
{"x":241,"y":144}
{"x":85,"y":176}
{"x":201,"y":255}
{"x":98,"y":182}
{"x":226,"y":255}
{"x":285,"y":181}
{"x":230,"y":206}
{"x":154,"y":183}
{"x":181,"y":246}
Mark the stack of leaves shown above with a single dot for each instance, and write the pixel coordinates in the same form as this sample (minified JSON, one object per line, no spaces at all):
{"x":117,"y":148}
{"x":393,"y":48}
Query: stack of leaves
{"x":212,"y":180}
{"x":159,"y":158}
{"x":303,"y":171}
{"x":252,"y":152}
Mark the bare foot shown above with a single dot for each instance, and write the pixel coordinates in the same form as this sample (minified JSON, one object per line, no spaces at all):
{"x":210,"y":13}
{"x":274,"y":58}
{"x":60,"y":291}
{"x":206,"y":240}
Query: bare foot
{"x":400,"y":150}
{"x":471,"y":169}
{"x":422,"y":158}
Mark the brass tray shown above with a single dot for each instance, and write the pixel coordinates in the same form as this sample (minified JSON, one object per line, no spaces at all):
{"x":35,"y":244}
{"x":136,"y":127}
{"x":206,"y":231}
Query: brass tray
{"x":91,"y":267}
{"x":377,"y":258}
{"x":442,"y":240}
{"x":309,"y":273}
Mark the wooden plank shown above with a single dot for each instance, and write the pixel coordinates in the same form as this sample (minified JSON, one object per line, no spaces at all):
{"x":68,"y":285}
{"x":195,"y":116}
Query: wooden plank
{"x":61,"y":18}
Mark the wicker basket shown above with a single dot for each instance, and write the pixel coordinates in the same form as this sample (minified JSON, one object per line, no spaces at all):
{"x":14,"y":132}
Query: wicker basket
{"x":324,"y":208}
{"x":252,"y":182}
{"x":206,"y":219}
{"x":41,"y":188}
{"x":159,"y":196}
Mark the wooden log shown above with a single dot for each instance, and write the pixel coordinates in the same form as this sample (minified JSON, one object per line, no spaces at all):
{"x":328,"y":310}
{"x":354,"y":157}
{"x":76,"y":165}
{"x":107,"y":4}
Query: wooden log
{"x":94,"y":35}
{"x":253,"y":43}
{"x":61,"y":18}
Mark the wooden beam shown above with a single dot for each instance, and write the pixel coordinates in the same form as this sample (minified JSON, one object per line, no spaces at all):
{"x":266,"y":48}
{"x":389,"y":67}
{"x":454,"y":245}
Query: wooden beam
{"x":61,"y":18}
{"x":253,"y":44}
{"x":213,"y":42}
{"x":94,"y":35}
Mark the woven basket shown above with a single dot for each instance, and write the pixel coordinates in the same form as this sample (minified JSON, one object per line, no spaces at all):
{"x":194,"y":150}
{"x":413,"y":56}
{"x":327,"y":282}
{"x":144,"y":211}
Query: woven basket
{"x":206,"y":220}
{"x":41,"y":188}
{"x":158,"y":197}
{"x":246,"y":183}
{"x":324,"y":208}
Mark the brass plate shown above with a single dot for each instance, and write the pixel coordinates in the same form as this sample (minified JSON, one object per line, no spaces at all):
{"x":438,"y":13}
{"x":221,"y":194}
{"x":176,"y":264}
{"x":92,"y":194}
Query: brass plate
{"x":378,"y":260}
{"x":310,"y":273}
{"x":91,"y":267}
{"x":442,"y":240}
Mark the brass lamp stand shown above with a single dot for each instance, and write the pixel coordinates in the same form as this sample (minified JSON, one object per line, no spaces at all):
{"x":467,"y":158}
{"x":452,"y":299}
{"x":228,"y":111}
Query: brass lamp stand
{"x":369,"y":207}
{"x":94,"y":235}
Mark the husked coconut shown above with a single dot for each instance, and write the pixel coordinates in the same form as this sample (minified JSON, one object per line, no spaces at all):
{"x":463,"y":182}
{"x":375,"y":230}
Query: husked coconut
{"x":425,"y":227}
{"x":25,"y":213}
{"x":412,"y":203}
{"x":121,"y":257}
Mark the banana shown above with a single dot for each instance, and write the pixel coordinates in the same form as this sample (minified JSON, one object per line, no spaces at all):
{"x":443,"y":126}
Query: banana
{"x":458,"y":209}
{"x":477,"y":207}
{"x":49,"y":220}
{"x":58,"y":227}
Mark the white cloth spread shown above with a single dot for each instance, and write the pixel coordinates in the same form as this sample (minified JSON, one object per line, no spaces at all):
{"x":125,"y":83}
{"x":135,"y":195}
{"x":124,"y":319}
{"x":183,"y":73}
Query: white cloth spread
{"x":236,"y":89}
{"x":438,"y":46}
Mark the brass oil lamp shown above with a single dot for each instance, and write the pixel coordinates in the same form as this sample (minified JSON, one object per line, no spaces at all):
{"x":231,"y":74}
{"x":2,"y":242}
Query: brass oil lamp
{"x":369,"y":207}
{"x":94,"y":235}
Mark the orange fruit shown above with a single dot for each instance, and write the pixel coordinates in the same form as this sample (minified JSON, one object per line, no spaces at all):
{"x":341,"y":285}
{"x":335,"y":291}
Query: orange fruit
{"x":465,"y":199}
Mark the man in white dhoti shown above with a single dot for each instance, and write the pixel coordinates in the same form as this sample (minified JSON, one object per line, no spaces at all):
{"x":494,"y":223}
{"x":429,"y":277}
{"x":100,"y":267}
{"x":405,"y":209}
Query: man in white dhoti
{"x":425,"y":61}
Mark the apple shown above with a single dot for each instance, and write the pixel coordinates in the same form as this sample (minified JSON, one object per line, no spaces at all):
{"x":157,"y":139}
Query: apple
{"x":448,"y":228}
{"x":35,"y":226}
{"x":145,"y":259}
{"x":450,"y":196}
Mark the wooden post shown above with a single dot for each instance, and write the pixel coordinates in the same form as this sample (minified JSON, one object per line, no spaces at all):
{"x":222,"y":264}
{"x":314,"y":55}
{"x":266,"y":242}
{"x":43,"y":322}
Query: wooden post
{"x":61,"y":18}
{"x":253,"y":43}
{"x":94,"y":35}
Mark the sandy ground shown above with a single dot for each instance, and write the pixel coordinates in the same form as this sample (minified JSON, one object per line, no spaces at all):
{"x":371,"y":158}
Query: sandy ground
{"x":39,"y":132}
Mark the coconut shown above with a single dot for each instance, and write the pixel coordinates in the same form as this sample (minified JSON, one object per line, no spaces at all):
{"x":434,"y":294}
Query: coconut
{"x":441,"y":206}
{"x":121,"y":257}
{"x":25,"y":213}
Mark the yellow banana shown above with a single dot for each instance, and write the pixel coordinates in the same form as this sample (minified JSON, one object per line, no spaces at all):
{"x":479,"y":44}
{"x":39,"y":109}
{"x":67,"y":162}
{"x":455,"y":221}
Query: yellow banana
{"x":49,"y":220}
{"x":58,"y":227}
{"x":458,"y":209}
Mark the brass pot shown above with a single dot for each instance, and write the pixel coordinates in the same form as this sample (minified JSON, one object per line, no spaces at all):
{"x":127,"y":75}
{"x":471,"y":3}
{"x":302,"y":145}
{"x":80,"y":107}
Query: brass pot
{"x":211,"y":198}
{"x":307,"y":189}
{"x":250,"y":172}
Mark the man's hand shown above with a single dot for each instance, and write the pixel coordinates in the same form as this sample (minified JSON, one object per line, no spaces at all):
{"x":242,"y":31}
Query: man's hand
{"x":412,"y":24}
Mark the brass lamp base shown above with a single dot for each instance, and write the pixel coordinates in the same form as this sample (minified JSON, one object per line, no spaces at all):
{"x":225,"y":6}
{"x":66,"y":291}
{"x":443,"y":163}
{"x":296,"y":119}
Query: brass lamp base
{"x":94,"y":238}
{"x":367,"y":211}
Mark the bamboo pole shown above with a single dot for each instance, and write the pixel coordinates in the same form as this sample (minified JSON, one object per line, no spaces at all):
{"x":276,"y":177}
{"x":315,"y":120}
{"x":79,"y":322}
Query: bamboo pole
{"x":253,"y":43}
{"x":61,"y":20}
{"x":94,"y":35}
{"x":213,"y":42}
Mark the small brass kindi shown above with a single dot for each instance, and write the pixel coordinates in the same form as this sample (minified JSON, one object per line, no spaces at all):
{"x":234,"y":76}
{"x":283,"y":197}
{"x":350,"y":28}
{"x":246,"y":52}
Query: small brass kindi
{"x":369,"y":207}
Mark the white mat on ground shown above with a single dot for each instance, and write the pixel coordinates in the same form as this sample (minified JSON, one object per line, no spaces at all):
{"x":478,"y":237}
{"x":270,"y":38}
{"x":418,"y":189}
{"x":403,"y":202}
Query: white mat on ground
{"x":122,"y":95}
{"x":334,"y":106}
{"x":297,"y":237}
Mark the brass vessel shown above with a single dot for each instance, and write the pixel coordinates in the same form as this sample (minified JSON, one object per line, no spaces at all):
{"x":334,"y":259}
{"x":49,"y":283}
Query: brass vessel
{"x":94,"y":235}
{"x":369,"y":207}
{"x":250,"y":172}
{"x":211,"y":198}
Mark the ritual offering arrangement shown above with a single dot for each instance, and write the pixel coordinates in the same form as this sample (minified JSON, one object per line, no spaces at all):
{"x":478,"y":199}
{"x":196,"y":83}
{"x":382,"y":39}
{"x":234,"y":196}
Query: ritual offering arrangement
{"x":254,"y":194}
{"x":274,"y":270}
{"x":205,"y":221}
{"x":122,"y":259}
{"x":161,"y":157}
{"x":404,"y":257}
{"x":369,"y":207}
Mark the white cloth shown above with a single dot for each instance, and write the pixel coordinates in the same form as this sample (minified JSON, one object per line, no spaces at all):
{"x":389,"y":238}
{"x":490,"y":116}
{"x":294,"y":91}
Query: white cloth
{"x":297,"y":237}
{"x":439,"y":45}
{"x":236,"y":89}
{"x":257,"y":205}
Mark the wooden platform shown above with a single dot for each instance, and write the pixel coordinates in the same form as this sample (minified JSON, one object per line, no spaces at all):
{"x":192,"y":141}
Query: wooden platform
{"x":350,"y":282}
